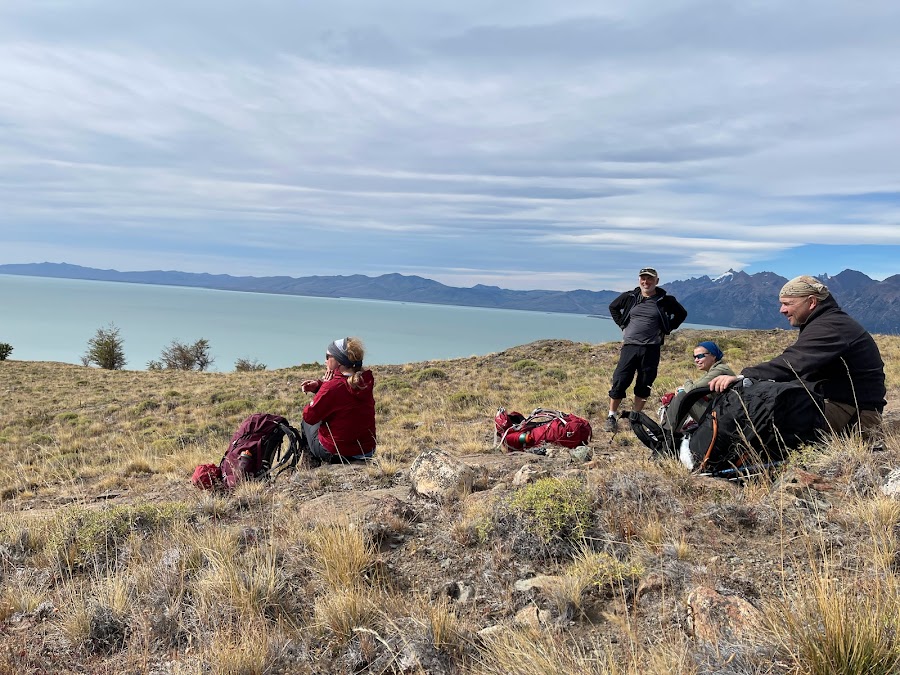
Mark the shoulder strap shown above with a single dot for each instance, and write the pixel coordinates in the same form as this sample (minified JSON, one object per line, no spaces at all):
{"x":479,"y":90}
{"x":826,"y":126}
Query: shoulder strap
{"x":651,"y":434}
{"x":291,"y":455}
{"x":690,"y":398}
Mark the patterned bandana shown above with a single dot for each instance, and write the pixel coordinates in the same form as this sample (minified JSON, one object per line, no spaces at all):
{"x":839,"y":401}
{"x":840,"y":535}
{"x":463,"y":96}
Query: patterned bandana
{"x":803,"y":286}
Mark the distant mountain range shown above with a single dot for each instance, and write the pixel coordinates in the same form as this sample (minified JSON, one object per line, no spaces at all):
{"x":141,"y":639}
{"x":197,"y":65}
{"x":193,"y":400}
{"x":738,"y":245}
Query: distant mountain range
{"x":734,"y":299}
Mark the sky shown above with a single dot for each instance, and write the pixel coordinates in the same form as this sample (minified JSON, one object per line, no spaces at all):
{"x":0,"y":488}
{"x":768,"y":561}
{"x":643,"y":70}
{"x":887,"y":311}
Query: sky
{"x":528,"y":144}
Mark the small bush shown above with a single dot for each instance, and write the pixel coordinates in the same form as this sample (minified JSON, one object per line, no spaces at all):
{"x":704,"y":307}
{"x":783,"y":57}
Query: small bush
{"x":549,"y":517}
{"x":5,"y":350}
{"x":181,"y":356}
{"x":393,"y":384}
{"x":431,"y":374}
{"x":248,"y":366}
{"x":81,"y":538}
{"x":556,"y":374}
{"x":527,"y":366}
{"x":105,"y":349}
{"x":236,"y":406}
{"x":464,"y":399}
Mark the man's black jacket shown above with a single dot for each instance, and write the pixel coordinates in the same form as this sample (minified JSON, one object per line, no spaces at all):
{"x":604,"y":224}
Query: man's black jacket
{"x":671,"y":313}
{"x":834,"y":352}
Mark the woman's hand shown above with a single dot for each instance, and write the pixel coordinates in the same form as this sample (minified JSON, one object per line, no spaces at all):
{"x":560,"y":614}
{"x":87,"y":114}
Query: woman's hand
{"x":329,"y":373}
{"x":311,"y":385}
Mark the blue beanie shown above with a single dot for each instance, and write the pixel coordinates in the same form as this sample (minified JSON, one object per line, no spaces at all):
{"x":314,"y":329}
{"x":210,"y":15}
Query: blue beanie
{"x":713,"y":349}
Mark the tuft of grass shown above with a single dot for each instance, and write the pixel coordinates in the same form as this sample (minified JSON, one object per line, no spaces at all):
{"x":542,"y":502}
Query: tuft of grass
{"x":831,"y":628}
{"x":342,"y":553}
{"x":342,"y":612}
{"x":524,"y":652}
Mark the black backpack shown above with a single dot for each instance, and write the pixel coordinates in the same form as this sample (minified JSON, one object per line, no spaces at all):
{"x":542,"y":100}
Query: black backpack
{"x":259,"y":439}
{"x":751,"y":424}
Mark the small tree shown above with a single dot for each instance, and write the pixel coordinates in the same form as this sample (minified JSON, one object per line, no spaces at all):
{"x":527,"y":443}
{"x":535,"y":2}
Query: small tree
{"x":180,"y":356}
{"x":5,"y":350}
{"x":105,"y":349}
{"x":248,"y":366}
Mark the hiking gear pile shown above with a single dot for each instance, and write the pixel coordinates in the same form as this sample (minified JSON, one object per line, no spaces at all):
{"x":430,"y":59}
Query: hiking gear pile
{"x":514,"y":431}
{"x":254,"y":453}
{"x":751,"y":425}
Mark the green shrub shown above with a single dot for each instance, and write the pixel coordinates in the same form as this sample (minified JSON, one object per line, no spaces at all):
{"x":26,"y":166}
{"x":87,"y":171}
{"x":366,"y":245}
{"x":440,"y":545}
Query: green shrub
{"x":393,"y":384}
{"x":105,"y":349}
{"x":144,"y":406}
{"x":86,"y":539}
{"x":555,"y":510}
{"x":238,"y":405}
{"x":431,"y":374}
{"x":556,"y":374}
{"x":527,"y":366}
{"x":181,"y":356}
{"x":465,"y":399}
{"x":248,"y":366}
{"x":5,"y":350}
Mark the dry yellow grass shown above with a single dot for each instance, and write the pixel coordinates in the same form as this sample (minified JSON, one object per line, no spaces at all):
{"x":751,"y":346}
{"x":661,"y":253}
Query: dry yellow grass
{"x":108,"y":555}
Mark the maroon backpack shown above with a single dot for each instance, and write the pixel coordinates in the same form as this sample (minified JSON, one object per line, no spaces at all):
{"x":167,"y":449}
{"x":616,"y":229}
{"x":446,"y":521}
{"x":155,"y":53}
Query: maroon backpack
{"x":255,"y":449}
{"x":518,"y":432}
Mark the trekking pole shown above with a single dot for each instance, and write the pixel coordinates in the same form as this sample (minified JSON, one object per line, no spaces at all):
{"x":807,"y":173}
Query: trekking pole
{"x":744,"y":471}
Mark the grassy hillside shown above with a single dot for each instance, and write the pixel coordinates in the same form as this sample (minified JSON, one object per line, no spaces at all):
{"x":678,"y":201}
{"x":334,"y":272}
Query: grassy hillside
{"x":111,"y":562}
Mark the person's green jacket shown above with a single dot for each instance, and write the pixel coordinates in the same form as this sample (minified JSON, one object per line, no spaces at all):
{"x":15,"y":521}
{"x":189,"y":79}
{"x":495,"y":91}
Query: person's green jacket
{"x":718,"y":368}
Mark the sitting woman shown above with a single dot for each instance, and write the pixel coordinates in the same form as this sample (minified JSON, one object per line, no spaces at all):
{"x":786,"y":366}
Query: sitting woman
{"x":339,"y":423}
{"x":708,"y":359}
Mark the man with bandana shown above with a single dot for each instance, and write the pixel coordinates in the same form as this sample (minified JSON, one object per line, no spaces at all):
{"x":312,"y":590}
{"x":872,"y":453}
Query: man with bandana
{"x":339,"y":423}
{"x":832,"y":351}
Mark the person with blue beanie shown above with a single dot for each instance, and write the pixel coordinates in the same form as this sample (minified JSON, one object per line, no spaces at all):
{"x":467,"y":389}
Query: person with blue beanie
{"x":708,"y":359}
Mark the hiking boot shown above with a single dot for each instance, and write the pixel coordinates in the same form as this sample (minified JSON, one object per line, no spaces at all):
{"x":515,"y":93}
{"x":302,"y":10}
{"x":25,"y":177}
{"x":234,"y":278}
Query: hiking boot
{"x":611,"y":424}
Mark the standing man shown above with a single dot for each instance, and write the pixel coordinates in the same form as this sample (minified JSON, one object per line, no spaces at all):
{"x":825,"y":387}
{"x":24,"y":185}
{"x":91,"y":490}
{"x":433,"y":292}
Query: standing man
{"x":646,"y":315}
{"x":832,"y":351}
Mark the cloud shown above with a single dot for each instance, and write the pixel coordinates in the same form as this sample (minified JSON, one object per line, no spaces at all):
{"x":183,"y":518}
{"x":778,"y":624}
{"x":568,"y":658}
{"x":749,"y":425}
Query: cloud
{"x":460,"y":139}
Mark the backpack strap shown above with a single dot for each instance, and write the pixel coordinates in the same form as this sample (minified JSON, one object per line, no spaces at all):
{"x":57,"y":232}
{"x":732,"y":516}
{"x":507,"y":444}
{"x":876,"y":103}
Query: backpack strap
{"x":291,"y":455}
{"x":686,"y":403}
{"x":649,"y":433}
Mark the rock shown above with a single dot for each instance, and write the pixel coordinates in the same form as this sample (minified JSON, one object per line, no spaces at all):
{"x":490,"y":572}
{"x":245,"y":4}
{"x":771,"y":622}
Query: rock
{"x":891,"y":487}
{"x":336,"y":507}
{"x":437,"y":475}
{"x":712,"y":616}
{"x":799,"y":482}
{"x":582,"y":453}
{"x":389,"y":518}
{"x":458,"y":591}
{"x":541,"y":581}
{"x":528,"y":474}
{"x":532,"y":617}
{"x":492,"y":631}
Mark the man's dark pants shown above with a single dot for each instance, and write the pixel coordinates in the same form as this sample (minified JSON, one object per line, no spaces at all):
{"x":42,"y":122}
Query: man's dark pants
{"x":640,"y":359}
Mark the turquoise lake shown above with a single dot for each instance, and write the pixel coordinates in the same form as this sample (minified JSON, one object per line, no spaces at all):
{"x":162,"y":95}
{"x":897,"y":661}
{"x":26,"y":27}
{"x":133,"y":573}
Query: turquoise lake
{"x":47,"y":319}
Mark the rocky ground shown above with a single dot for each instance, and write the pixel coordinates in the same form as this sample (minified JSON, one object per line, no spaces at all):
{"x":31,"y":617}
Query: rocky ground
{"x":605,"y":560}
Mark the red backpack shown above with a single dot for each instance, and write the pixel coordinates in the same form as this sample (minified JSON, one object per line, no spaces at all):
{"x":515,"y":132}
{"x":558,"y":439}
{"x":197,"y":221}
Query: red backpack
{"x":517,"y":432}
{"x":253,"y":451}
